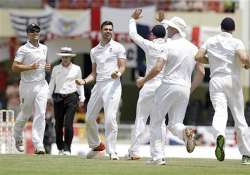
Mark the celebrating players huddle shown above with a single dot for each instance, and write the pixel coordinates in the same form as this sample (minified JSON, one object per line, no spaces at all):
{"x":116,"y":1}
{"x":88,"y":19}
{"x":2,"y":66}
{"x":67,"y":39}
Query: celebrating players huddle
{"x":165,"y":89}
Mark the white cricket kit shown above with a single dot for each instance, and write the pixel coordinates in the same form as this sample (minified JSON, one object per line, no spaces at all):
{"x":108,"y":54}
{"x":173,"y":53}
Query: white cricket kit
{"x":225,"y":87}
{"x":153,"y":50}
{"x":33,"y":90}
{"x":106,"y":93}
{"x":63,"y":80}
{"x":173,"y":94}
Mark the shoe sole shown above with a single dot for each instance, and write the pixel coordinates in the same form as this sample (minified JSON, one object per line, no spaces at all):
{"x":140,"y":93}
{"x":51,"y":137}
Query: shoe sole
{"x":219,"y":150}
{"x":40,"y":152}
{"x":245,"y":163}
{"x":190,"y":142}
{"x":134,"y":158}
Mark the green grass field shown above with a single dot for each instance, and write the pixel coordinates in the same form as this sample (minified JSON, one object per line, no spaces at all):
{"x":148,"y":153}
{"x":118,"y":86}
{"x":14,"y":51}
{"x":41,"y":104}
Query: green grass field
{"x":75,"y":165}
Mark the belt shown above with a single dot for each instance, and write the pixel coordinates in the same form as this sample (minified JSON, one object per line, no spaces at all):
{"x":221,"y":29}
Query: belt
{"x":66,"y":95}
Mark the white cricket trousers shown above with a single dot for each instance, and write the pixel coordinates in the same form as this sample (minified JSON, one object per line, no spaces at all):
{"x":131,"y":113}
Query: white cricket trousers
{"x":171,"y":99}
{"x":226,"y":91}
{"x":143,"y":110}
{"x":106,"y":94}
{"x":33,"y":98}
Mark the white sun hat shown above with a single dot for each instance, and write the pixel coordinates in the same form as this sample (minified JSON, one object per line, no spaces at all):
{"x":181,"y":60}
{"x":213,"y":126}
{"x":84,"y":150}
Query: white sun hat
{"x":66,"y":51}
{"x":177,"y":23}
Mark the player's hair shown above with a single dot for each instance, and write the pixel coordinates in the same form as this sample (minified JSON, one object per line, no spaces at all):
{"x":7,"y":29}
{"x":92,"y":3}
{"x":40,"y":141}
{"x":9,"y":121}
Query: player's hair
{"x":105,"y":23}
{"x":227,"y":24}
{"x":159,"y":31}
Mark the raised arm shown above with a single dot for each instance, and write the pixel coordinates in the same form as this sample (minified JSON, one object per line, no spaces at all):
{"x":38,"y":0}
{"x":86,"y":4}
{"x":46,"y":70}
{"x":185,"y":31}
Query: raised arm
{"x":139,"y":40}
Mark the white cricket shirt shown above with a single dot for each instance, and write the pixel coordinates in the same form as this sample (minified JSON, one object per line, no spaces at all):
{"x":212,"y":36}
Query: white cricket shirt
{"x":29,"y":54}
{"x":153,"y":49}
{"x":106,"y":59}
{"x":63,"y":80}
{"x":221,"y":54}
{"x":180,"y":62}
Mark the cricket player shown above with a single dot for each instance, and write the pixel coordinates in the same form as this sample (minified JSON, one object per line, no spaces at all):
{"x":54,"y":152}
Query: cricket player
{"x":173,"y":94}
{"x":153,"y":50}
{"x":225,"y":55}
{"x":108,"y":64}
{"x":30,"y":61}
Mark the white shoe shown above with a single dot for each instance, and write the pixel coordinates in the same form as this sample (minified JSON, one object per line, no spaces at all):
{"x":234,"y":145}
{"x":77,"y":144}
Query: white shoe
{"x":40,"y":150}
{"x":113,"y":156}
{"x":19,"y":145}
{"x":67,"y":153}
{"x":133,"y":156}
{"x":60,"y":152}
{"x":189,"y":139}
{"x":156,"y":162}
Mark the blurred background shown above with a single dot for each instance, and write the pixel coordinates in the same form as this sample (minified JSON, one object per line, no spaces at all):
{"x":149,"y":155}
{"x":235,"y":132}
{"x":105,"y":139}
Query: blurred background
{"x":76,"y":23}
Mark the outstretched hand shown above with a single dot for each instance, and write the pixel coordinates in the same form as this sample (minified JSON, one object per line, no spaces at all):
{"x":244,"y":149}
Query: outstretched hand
{"x":137,"y":14}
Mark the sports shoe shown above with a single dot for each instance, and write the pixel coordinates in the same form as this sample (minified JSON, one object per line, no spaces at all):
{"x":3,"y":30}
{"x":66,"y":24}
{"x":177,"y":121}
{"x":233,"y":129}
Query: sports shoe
{"x":96,"y":151}
{"x":39,"y":151}
{"x":219,"y":150}
{"x":133,"y":156}
{"x":67,"y":153}
{"x":60,"y":152}
{"x":19,"y":145}
{"x":189,"y":139}
{"x":113,"y":156}
{"x":245,"y":160}
{"x":156,"y":162}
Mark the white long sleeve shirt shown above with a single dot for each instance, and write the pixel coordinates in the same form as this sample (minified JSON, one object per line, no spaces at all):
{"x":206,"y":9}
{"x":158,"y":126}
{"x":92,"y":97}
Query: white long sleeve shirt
{"x":153,"y":49}
{"x":63,"y":80}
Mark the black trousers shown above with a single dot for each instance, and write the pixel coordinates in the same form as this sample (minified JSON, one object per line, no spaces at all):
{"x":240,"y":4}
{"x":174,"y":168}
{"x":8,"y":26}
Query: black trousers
{"x":64,"y":108}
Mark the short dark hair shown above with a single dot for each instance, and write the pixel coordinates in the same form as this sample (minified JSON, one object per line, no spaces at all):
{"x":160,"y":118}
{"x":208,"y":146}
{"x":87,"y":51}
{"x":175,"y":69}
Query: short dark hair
{"x":159,"y":31}
{"x":227,"y":24}
{"x":105,"y":23}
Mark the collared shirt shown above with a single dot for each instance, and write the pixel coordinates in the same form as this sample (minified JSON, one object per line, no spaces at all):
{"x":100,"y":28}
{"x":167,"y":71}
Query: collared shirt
{"x":221,"y":54}
{"x":106,"y":58}
{"x":63,"y":80}
{"x":29,"y":54}
{"x":181,"y":62}
{"x":153,"y":49}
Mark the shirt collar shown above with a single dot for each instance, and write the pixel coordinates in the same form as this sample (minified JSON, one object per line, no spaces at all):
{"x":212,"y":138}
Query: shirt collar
{"x":226,"y":34}
{"x":32,"y":46}
{"x":176,"y":36}
{"x":159,"y":40}
{"x":108,"y":44}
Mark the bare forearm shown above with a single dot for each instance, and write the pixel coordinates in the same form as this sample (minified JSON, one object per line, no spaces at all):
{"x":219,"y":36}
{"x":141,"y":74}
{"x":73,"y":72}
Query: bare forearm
{"x":196,"y":81}
{"x":90,"y":78}
{"x":22,"y":67}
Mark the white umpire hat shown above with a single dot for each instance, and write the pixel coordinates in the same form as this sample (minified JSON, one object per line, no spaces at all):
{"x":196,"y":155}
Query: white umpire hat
{"x":177,"y":23}
{"x":66,"y":51}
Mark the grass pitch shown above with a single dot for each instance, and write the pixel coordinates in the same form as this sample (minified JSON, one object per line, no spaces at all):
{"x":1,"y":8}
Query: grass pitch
{"x":76,"y":165}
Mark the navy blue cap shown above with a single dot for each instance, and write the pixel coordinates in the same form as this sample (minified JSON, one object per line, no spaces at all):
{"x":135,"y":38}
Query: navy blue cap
{"x":31,"y":28}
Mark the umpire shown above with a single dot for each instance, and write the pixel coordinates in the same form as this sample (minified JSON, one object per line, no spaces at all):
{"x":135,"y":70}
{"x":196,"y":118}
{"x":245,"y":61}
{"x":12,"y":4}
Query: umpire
{"x":65,"y":94}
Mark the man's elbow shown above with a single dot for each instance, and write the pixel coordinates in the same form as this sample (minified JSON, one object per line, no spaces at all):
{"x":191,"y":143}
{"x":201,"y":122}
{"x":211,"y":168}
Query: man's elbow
{"x":14,"y":68}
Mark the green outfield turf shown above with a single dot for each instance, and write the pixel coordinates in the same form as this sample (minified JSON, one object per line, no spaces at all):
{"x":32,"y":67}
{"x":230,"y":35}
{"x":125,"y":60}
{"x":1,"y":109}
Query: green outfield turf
{"x":74,"y":165}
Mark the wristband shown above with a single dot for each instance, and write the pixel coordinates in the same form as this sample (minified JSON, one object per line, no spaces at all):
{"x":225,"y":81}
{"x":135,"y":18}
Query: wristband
{"x":118,"y":74}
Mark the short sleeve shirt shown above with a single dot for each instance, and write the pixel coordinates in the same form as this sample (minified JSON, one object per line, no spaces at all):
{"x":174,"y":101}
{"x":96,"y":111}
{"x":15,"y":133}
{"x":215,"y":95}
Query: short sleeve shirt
{"x":106,"y":58}
{"x":221,"y":54}
{"x":29,"y":54}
